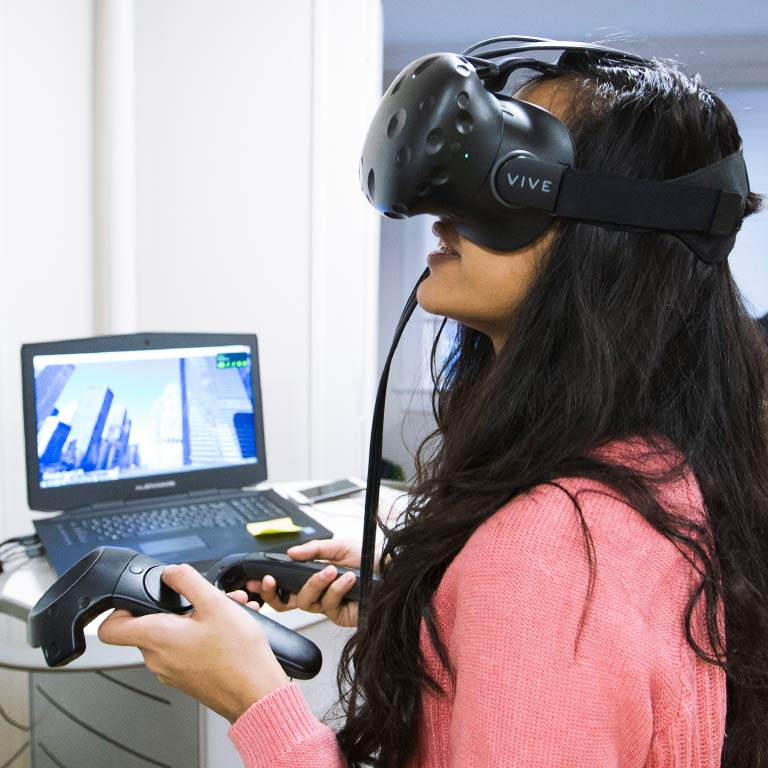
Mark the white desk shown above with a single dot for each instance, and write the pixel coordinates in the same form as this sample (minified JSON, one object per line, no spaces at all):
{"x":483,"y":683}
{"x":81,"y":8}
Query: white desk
{"x":115,"y":712}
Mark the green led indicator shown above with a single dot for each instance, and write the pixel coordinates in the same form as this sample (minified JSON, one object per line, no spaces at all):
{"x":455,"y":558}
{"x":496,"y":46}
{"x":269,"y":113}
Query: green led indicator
{"x":466,"y":155}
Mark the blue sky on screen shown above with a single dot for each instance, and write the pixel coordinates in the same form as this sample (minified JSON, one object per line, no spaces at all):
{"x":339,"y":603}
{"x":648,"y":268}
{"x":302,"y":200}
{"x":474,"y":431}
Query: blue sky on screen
{"x":135,"y":384}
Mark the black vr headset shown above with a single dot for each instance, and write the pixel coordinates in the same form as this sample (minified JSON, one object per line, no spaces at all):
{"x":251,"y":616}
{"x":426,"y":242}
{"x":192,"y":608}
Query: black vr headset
{"x":445,"y":141}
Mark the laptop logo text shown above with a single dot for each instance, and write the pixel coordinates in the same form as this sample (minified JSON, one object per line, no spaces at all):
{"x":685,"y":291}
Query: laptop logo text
{"x":152,"y":486}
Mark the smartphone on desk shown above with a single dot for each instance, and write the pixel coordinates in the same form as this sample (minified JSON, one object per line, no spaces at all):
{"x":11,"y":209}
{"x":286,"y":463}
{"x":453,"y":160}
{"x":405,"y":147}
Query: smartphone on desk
{"x":328,"y":491}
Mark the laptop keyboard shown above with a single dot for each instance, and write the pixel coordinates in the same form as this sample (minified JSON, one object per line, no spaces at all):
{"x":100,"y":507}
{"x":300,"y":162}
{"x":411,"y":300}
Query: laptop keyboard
{"x":181,"y":517}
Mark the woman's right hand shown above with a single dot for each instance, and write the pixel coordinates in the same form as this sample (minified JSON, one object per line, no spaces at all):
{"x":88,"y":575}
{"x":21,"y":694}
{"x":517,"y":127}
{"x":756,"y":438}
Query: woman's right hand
{"x":316,"y":596}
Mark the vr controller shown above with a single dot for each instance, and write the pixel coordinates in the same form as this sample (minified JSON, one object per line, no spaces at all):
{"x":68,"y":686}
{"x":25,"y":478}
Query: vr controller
{"x":234,"y":571}
{"x":116,"y":577}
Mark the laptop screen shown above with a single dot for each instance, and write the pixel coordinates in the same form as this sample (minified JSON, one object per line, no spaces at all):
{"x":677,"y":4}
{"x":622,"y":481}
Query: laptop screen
{"x":115,"y":415}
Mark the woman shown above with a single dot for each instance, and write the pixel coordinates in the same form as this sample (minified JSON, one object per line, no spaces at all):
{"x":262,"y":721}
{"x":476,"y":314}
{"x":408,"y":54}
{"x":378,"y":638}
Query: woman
{"x":580,"y":577}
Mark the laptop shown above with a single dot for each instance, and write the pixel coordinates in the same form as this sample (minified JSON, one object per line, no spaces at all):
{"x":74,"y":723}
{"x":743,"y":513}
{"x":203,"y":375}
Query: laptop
{"x":149,"y":441}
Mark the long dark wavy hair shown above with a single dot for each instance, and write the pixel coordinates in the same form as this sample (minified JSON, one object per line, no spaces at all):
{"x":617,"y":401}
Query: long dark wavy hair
{"x":634,"y":336}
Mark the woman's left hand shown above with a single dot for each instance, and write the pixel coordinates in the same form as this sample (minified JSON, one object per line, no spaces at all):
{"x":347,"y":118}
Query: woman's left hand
{"x":217,"y":654}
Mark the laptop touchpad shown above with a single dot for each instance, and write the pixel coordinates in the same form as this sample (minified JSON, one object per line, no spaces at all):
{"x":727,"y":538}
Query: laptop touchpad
{"x":180,"y":544}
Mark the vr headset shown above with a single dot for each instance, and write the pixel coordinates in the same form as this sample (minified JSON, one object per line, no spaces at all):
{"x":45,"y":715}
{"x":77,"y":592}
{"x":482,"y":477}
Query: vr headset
{"x":445,"y":141}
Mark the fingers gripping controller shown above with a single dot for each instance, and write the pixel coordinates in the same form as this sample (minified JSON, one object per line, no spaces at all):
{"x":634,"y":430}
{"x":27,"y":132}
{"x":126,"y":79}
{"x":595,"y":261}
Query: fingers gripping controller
{"x":115,"y":577}
{"x":234,"y":571}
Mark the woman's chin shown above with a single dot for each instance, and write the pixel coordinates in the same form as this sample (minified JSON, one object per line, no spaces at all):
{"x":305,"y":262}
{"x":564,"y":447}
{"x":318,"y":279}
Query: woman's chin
{"x":432,"y":299}
{"x":427,"y":297}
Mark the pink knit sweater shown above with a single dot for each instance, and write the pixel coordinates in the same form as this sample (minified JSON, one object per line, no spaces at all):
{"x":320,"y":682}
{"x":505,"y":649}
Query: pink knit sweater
{"x":508,"y":608}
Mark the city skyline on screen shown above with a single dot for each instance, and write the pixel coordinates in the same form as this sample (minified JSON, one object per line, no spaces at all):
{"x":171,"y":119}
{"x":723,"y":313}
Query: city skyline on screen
{"x":118,"y":415}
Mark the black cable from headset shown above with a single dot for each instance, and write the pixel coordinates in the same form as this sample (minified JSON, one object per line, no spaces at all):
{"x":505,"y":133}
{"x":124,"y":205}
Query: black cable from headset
{"x":374,"y":462}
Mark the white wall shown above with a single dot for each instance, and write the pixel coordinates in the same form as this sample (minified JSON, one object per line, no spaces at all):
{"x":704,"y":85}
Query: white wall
{"x":248,"y":210}
{"x":344,"y":318}
{"x":45,"y":217}
{"x":45,"y":236}
{"x":222,"y":228}
{"x":191,"y":165}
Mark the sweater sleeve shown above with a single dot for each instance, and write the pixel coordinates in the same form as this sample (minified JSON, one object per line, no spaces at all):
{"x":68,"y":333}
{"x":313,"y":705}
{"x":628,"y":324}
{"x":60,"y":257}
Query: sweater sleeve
{"x":522,"y":698}
{"x":280,"y":731}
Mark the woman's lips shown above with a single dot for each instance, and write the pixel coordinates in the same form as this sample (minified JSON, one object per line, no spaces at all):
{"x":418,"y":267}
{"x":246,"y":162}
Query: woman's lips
{"x":440,"y":256}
